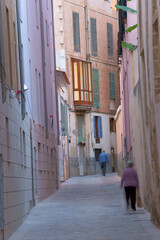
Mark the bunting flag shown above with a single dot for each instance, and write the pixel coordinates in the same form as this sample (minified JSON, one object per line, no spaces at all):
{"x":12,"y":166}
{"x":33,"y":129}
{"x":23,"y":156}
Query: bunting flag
{"x":113,"y":3}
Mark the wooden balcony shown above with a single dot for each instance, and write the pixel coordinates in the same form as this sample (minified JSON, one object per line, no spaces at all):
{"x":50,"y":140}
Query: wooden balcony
{"x":82,"y":84}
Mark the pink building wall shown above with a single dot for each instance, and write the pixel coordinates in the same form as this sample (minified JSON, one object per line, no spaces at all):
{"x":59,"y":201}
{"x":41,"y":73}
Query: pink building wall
{"x":29,"y":158}
{"x":126,"y":82}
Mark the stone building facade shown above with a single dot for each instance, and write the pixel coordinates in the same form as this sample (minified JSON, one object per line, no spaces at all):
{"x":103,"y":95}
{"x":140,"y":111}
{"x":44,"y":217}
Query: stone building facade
{"x":87,"y":51}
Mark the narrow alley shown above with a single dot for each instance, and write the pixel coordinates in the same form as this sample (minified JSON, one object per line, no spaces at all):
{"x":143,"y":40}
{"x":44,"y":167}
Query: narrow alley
{"x":87,"y":208}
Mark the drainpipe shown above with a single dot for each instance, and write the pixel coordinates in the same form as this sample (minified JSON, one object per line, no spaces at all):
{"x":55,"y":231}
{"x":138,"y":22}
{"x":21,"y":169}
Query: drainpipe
{"x":43,"y":67}
{"x":21,"y":57}
{"x":2,"y":57}
{"x":87,"y":30}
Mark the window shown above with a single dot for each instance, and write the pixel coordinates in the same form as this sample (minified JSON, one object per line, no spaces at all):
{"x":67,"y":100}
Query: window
{"x":97,"y":126}
{"x":47,"y":2}
{"x":35,"y":172}
{"x":96,"y":102}
{"x":64,"y":119}
{"x":9,"y":48}
{"x":15,"y":55}
{"x":112,"y":125}
{"x":28,"y":22}
{"x":110,"y":40}
{"x":112,"y":92}
{"x":80,"y":127}
{"x":40,"y":98}
{"x":76,"y":34}
{"x":97,"y":152}
{"x":7,"y":139}
{"x":47,"y":33}
{"x":24,"y":149}
{"x":37,"y":15}
{"x":93,"y":37}
{"x":82,"y":82}
{"x":37,"y":95}
{"x":1,"y":195}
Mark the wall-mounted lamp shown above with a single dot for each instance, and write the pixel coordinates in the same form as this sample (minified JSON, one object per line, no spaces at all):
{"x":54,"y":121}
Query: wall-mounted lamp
{"x":25,"y":87}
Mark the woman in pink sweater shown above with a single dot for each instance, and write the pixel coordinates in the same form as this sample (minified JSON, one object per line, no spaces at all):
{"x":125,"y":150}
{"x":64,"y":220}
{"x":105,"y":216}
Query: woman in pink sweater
{"x":130,"y":182}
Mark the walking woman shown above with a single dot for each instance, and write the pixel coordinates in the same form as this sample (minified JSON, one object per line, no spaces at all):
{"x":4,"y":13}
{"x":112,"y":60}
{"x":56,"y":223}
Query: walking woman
{"x":130,"y":182}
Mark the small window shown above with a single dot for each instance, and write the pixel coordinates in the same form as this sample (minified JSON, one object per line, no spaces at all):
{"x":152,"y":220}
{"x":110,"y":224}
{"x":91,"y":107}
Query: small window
{"x":93,"y":37}
{"x":37,"y":15}
{"x":76,"y":33}
{"x":112,"y":125}
{"x":24,"y":149}
{"x":1,"y":195}
{"x":47,"y":33}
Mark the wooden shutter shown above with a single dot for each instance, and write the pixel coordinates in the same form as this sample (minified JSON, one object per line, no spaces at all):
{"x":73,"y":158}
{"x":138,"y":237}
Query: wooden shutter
{"x":80,"y":127}
{"x":96,"y":98}
{"x":64,"y":119}
{"x":76,"y":34}
{"x":94,"y":126}
{"x":110,"y":39}
{"x":112,"y":91}
{"x":93,"y":37}
{"x":99,"y":126}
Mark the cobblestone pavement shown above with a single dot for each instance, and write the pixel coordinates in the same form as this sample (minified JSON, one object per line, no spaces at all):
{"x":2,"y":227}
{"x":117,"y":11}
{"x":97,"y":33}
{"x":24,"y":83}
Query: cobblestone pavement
{"x":87,"y":208}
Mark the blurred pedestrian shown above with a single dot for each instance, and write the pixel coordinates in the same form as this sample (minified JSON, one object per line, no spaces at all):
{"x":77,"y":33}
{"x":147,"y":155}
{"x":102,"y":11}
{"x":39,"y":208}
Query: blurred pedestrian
{"x":103,"y":159}
{"x":130,"y":182}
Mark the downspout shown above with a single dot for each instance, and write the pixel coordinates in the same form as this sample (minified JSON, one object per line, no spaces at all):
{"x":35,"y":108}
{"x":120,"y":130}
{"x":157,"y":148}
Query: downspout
{"x":21,"y":57}
{"x":43,"y":68}
{"x":2,"y":57}
{"x":87,"y":30}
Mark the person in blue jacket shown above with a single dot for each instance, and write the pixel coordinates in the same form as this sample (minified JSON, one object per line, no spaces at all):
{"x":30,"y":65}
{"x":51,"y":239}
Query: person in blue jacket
{"x":103,"y":159}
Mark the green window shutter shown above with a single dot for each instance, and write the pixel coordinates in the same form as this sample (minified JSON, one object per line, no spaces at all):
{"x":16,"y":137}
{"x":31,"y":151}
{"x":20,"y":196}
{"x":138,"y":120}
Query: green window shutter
{"x":76,"y":34}
{"x":110,"y":39}
{"x":96,"y":98}
{"x":112,"y":90}
{"x":80,"y":127}
{"x":64,"y":119}
{"x":93,"y":37}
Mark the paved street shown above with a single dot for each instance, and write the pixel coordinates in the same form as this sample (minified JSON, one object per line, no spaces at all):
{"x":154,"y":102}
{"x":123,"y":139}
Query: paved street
{"x":87,"y":208}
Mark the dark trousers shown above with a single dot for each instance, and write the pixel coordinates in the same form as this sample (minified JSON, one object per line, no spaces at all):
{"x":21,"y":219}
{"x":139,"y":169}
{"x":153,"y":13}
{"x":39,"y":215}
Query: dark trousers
{"x":103,"y":168}
{"x":131,"y":195}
